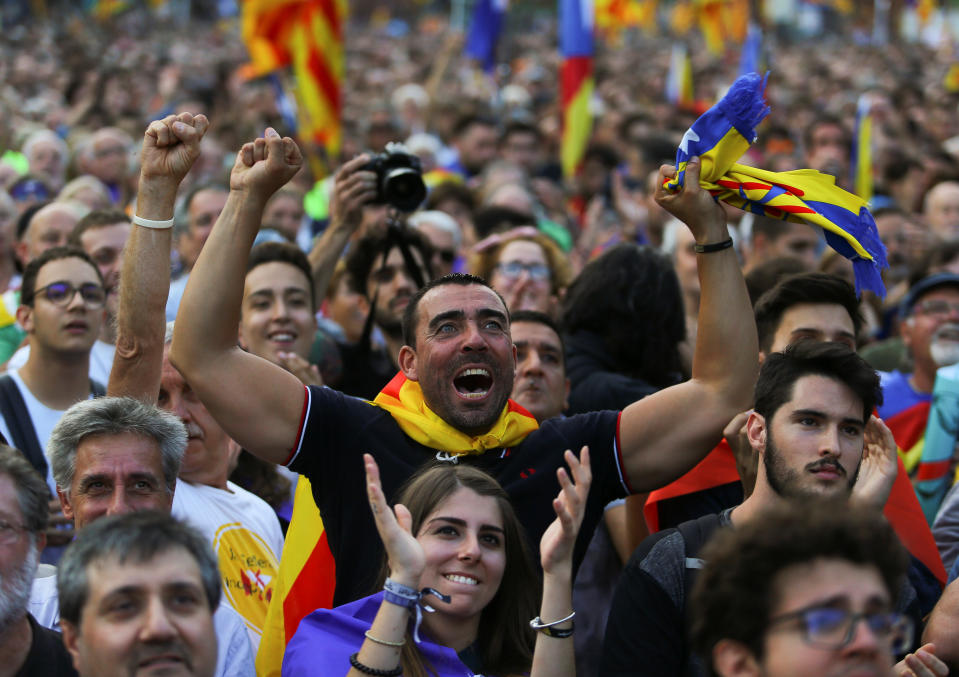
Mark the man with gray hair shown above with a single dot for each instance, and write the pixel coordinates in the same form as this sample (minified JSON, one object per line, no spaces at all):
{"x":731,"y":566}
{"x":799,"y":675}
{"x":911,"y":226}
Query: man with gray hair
{"x":138,"y":593}
{"x":27,"y":648}
{"x":47,"y":156}
{"x":117,"y":455}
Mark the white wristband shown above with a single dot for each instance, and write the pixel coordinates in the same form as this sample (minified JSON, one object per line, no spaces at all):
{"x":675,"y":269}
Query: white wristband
{"x":149,"y":223}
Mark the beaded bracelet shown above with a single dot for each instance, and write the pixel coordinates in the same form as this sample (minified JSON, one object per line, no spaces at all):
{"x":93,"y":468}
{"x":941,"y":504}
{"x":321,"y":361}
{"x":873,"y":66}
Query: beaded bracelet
{"x":376,"y":672}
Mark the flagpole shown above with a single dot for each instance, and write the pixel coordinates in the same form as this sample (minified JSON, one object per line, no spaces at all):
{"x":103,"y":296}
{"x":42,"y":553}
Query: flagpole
{"x":458,"y":15}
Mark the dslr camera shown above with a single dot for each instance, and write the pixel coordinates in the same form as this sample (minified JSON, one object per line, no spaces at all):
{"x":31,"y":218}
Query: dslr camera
{"x":399,"y":178}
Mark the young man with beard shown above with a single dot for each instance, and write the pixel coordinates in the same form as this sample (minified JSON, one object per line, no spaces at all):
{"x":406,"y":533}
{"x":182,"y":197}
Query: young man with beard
{"x":26,"y":648}
{"x":388,"y":285}
{"x":812,"y":431}
{"x":451,"y":399}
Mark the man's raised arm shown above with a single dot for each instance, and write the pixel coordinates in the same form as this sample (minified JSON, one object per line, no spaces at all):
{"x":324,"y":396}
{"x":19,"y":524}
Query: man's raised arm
{"x":666,"y":434}
{"x":170,"y":147}
{"x":258,"y":403}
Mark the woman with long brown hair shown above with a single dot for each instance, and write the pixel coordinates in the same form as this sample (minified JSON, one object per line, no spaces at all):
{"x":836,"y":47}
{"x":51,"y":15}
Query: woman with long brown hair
{"x":461,"y":588}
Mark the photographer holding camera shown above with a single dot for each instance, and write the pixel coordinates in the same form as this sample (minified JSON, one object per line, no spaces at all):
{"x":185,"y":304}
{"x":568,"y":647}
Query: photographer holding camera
{"x":386,"y":262}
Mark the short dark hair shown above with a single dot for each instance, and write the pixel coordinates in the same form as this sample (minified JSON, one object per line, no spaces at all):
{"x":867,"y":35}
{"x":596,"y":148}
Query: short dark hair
{"x":451,"y":190}
{"x":282,"y":252}
{"x":98,"y":218}
{"x":364,"y":253}
{"x":460,"y":279}
{"x":824,"y":119}
{"x":537,"y":317}
{"x":133,"y":537}
{"x":29,"y":284}
{"x":520,"y":127}
{"x":33,"y":495}
{"x":772,"y":228}
{"x":780,"y":371}
{"x":735,"y":594}
{"x":183,"y":213}
{"x":814,"y":288}
{"x":464,"y":122}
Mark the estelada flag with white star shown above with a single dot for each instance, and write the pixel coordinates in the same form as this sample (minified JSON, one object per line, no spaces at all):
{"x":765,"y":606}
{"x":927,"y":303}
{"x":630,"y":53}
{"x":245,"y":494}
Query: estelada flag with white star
{"x":724,"y":133}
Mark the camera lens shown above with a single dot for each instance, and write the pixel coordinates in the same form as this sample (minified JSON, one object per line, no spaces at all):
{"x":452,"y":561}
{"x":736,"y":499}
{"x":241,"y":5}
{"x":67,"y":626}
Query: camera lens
{"x":404,"y":189}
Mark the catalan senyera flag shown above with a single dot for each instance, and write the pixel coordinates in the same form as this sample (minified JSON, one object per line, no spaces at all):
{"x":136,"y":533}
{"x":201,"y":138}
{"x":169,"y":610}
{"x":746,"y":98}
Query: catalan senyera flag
{"x":305,"y":581}
{"x":711,"y":24}
{"x":306,"y":35}
{"x":724,"y":133}
{"x":614,"y":16}
{"x":576,"y":80}
{"x":862,"y":150}
{"x":485,"y":29}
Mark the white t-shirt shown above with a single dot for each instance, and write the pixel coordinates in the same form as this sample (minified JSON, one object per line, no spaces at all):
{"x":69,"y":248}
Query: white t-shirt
{"x":101,"y":360}
{"x":247,"y":541}
{"x":43,"y":418}
{"x":234,"y":656}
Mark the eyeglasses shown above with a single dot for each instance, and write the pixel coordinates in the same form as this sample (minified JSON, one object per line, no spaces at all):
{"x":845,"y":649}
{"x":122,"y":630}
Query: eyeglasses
{"x":513,"y":269}
{"x":832,"y":628}
{"x":62,"y":293}
{"x":936,"y":307}
{"x":9,"y":532}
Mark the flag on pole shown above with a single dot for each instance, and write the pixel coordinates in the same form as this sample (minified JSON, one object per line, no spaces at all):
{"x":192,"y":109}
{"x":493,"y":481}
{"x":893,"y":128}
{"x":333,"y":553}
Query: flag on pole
{"x":862,"y":150}
{"x":710,"y":15}
{"x":304,"y":583}
{"x":485,"y":28}
{"x":576,"y":80}
{"x":306,"y":35}
{"x":679,"y":79}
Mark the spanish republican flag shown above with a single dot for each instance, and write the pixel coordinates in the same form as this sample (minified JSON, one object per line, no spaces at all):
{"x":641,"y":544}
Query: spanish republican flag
{"x":576,"y":80}
{"x":305,"y":581}
{"x":306,"y":35}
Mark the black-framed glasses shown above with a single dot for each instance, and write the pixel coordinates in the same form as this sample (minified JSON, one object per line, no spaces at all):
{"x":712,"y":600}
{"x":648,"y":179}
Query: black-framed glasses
{"x":513,"y":269}
{"x":833,"y":628}
{"x":9,"y":532}
{"x":61,"y":293}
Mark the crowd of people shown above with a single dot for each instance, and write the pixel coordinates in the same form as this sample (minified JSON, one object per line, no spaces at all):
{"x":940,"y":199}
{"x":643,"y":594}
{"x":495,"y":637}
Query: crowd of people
{"x":552,"y":425}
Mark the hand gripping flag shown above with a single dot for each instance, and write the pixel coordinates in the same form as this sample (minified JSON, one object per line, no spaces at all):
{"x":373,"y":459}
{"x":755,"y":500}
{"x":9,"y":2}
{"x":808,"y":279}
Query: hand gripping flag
{"x":721,"y":136}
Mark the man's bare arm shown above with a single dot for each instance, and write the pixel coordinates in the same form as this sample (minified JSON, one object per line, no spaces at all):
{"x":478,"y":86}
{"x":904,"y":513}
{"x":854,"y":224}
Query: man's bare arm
{"x":258,"y":403}
{"x":666,"y":434}
{"x":351,"y":190}
{"x":170,"y":147}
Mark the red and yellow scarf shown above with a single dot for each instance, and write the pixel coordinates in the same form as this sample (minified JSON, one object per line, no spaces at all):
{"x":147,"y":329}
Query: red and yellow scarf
{"x":403,"y":399}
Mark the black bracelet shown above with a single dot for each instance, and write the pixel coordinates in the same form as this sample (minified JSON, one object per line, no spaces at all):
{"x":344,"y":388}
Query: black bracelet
{"x":366,"y":669}
{"x":713,"y":246}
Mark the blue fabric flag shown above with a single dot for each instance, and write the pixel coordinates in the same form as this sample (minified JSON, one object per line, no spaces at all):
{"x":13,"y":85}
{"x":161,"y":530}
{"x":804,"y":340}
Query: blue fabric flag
{"x":485,"y":29}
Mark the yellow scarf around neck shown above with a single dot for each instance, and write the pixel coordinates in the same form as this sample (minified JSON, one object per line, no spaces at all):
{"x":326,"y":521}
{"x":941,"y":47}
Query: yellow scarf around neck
{"x":403,"y":399}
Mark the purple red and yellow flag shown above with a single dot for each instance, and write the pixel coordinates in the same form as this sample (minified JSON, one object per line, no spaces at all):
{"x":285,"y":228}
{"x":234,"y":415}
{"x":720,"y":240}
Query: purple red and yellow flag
{"x":724,"y":133}
{"x":576,"y":80}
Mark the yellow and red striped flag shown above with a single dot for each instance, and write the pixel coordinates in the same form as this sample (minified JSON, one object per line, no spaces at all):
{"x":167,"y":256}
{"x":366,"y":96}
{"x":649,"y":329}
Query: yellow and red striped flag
{"x":306,"y":35}
{"x":304,"y":583}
